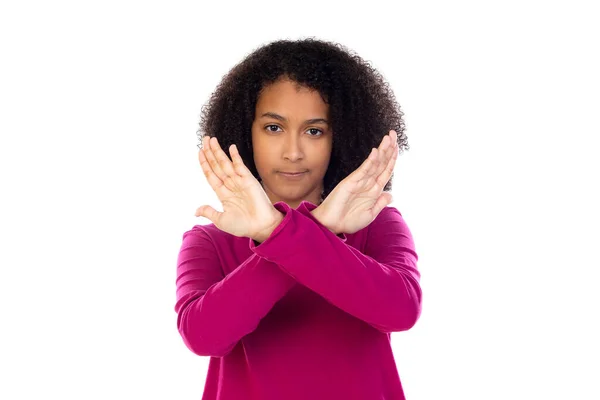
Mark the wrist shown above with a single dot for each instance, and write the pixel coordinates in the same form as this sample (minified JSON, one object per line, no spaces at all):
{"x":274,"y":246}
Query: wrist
{"x":265,"y":233}
{"x":319,"y":217}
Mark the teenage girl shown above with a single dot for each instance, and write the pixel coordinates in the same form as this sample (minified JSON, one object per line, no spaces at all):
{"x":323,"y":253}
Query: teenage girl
{"x":294,"y":288}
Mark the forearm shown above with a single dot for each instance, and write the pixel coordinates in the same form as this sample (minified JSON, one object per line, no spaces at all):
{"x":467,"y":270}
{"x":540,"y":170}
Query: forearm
{"x":278,"y":218}
{"x":212,"y":322}
{"x":379,"y":285}
{"x":215,"y":310}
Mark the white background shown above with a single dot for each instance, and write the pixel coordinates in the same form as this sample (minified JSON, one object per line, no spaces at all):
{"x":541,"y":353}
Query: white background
{"x":99,"y":107}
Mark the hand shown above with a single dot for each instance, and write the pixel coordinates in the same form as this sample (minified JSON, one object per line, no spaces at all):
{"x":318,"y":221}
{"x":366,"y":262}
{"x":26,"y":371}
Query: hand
{"x":247,"y":210}
{"x":359,"y":198}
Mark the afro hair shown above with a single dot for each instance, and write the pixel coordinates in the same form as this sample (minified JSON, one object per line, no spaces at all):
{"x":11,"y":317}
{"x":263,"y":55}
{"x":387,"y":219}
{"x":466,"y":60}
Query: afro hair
{"x":362,"y":107}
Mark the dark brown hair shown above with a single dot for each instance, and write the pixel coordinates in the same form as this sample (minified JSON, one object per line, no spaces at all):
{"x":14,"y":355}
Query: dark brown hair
{"x":362,"y":107}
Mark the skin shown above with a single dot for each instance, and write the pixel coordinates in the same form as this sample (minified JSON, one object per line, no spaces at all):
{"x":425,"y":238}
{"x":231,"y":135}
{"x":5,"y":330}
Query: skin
{"x":292,"y":144}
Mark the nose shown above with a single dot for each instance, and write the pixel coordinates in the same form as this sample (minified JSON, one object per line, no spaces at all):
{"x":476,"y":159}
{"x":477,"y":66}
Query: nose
{"x":292,"y":149}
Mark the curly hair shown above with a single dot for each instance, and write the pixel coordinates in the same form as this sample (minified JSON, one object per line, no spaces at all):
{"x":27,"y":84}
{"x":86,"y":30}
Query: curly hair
{"x":362,"y":107}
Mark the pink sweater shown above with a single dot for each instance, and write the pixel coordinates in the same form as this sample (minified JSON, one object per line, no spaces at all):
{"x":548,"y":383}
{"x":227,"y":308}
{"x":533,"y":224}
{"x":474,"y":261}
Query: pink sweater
{"x":307,"y":314}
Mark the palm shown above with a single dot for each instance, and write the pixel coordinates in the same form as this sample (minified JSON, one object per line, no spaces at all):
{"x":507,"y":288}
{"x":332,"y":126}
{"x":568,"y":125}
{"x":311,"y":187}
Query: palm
{"x":247,"y":209}
{"x":242,"y":205}
{"x":358,"y":199}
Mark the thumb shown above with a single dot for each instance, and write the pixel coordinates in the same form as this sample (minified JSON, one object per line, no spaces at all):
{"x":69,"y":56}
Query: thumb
{"x":209,"y":213}
{"x":385,"y":199}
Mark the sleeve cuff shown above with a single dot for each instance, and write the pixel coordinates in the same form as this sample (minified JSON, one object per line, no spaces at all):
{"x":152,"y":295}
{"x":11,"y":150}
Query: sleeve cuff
{"x":285,"y":210}
{"x":306,"y":207}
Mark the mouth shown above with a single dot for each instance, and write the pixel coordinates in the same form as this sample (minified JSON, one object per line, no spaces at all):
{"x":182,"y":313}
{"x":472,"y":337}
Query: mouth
{"x":292,"y":174}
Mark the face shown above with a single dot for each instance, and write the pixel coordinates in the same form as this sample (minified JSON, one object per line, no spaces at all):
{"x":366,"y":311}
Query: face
{"x":286,"y":140}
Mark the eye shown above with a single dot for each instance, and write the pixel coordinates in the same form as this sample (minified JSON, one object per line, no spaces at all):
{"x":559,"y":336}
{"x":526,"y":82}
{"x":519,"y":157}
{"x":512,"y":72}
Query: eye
{"x":319,"y":131}
{"x":266,"y":127}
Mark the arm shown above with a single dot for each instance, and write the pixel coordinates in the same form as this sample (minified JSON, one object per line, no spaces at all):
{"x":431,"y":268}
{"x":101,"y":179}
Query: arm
{"x":215,"y":311}
{"x":380,"y":287}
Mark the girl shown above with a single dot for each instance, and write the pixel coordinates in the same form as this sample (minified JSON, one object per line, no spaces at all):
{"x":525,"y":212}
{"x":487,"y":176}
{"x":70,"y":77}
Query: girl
{"x":294,"y":289}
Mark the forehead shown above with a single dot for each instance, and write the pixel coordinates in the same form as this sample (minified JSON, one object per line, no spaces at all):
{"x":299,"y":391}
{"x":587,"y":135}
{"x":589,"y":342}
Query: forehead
{"x":287,"y":97}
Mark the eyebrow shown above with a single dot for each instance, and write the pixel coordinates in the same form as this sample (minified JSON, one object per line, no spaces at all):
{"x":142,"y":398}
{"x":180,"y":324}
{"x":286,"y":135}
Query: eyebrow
{"x":308,"y":121}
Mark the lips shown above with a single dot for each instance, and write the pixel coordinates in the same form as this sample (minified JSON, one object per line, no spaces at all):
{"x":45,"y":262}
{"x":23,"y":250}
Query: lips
{"x":293,"y":175}
{"x":292,"y":172}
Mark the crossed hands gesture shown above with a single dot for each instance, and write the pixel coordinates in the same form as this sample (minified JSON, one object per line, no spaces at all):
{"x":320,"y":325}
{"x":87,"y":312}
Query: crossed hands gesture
{"x":247,"y":211}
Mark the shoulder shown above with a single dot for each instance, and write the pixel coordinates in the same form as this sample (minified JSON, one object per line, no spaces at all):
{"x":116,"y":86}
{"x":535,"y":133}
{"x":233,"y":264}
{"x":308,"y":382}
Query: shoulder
{"x":208,"y":234}
{"x":209,"y":243}
{"x":389,"y":229}
{"x":209,"y":237}
{"x":387,"y":215}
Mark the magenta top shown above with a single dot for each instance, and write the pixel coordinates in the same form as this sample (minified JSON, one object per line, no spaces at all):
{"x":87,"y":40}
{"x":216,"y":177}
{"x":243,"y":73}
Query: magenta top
{"x":306,"y":314}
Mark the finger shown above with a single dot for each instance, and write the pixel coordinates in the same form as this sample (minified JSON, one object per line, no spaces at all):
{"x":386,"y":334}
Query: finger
{"x":384,"y":177}
{"x":367,"y":167}
{"x":388,"y":146}
{"x":238,"y":162}
{"x":222,"y":158}
{"x":372,"y":172}
{"x":383,"y":153}
{"x":393,"y":143}
{"x":385,"y":199}
{"x":394,"y":137}
{"x":384,"y":142}
{"x":388,"y":141}
{"x":373,"y":167}
{"x":211,"y":177}
{"x":212,"y":160}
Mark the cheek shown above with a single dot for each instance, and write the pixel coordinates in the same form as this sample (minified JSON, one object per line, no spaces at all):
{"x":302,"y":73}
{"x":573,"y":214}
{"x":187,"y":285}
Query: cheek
{"x":261,"y":158}
{"x":326,"y":157}
{"x":256,"y":150}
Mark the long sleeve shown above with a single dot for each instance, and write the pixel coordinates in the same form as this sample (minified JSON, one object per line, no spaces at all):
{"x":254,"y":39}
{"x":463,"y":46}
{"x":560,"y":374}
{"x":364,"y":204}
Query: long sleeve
{"x":380,"y":287}
{"x":215,"y":311}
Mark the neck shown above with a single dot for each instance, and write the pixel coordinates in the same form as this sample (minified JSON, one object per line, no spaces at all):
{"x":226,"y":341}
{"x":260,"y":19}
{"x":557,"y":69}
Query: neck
{"x":316,"y":198}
